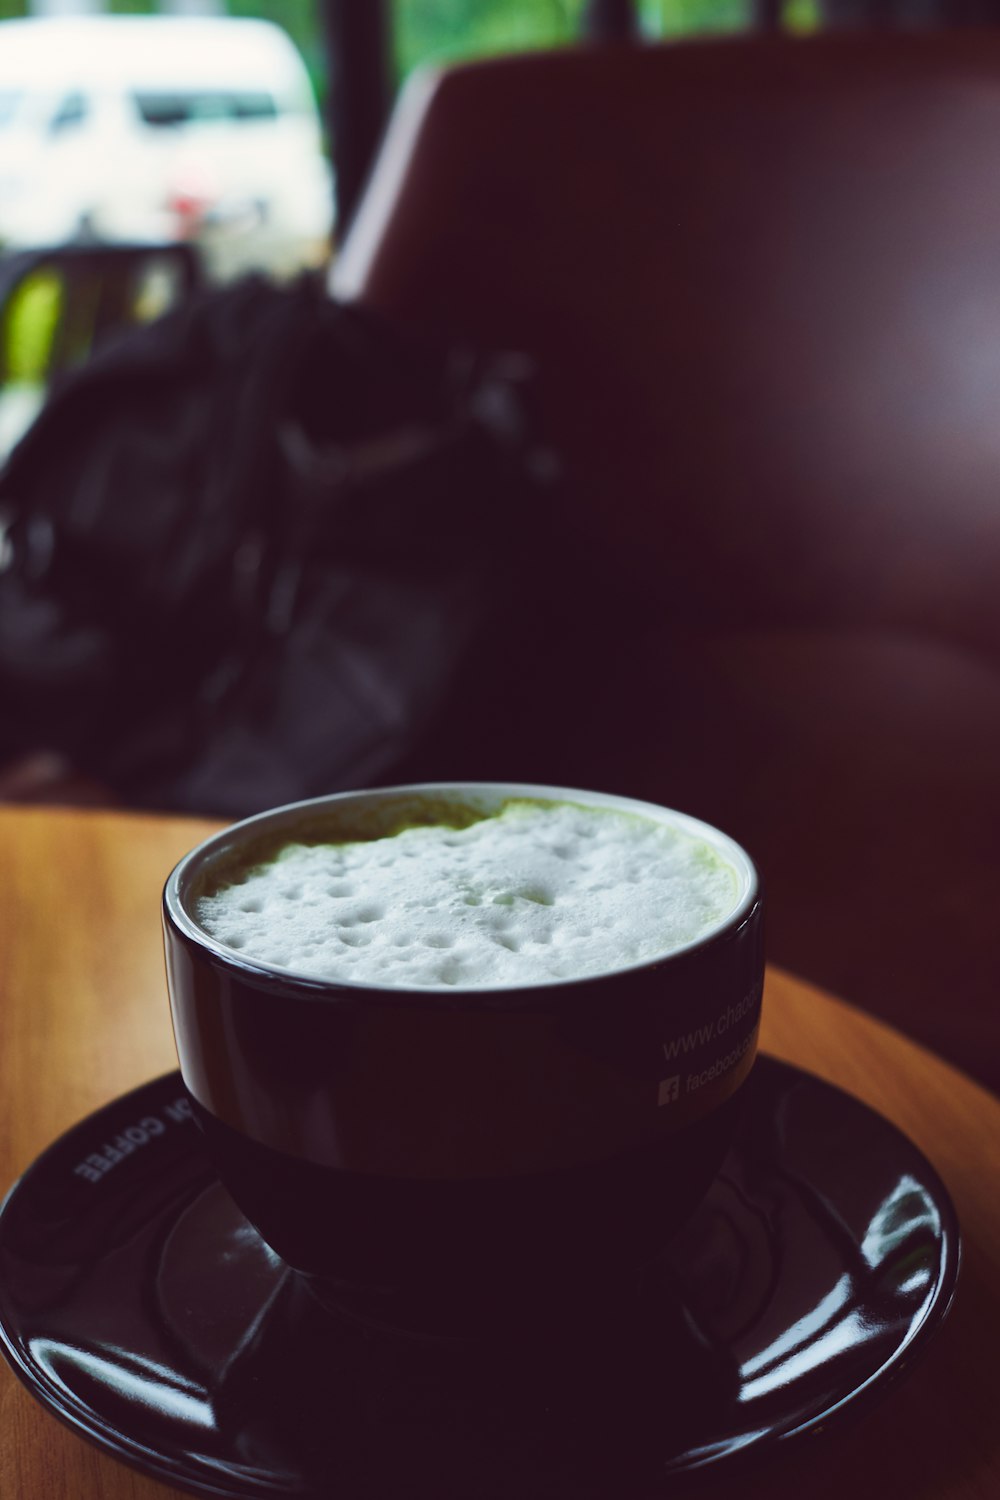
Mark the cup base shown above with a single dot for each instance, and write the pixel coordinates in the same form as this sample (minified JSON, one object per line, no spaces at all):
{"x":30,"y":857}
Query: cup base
{"x":461,"y":1257}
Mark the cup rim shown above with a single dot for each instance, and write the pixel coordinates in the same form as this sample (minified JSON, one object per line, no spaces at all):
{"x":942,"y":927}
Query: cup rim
{"x":264,"y":974}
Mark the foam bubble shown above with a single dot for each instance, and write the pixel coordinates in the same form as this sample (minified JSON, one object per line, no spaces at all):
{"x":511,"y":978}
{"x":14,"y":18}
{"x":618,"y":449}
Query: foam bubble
{"x":536,"y":893}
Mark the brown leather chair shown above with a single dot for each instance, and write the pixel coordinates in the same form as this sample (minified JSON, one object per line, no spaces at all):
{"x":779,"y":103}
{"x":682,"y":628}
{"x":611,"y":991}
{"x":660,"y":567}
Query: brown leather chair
{"x":761,"y":282}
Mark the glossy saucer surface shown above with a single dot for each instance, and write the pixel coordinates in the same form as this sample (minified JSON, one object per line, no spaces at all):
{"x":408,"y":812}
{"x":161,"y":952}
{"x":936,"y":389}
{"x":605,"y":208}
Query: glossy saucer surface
{"x":139,"y":1306}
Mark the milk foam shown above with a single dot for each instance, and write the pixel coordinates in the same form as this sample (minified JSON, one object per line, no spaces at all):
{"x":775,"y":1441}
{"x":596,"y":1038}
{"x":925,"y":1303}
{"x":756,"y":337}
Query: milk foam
{"x":534,"y":894}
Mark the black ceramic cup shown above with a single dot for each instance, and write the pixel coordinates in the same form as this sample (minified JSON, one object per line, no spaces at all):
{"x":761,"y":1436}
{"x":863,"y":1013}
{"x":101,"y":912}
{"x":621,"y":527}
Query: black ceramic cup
{"x":436,"y":1155}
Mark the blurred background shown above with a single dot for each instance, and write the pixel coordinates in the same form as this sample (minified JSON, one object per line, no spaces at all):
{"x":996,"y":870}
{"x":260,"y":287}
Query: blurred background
{"x":244,"y":131}
{"x":225,"y":134}
{"x":240,"y":129}
{"x":753,"y":288}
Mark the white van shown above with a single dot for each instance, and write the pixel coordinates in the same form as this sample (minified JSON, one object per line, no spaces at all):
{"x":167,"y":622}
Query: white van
{"x":160,"y":128}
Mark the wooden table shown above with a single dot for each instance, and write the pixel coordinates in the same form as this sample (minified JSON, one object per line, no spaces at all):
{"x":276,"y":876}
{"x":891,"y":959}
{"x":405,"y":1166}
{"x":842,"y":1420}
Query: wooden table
{"x":83,"y":1017}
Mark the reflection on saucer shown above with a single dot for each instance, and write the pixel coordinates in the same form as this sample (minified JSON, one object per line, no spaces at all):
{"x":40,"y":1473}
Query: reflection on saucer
{"x":138,"y":1303}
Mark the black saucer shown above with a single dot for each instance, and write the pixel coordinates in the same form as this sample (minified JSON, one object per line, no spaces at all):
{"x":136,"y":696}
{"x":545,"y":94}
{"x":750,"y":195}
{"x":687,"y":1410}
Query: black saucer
{"x":138,"y":1305}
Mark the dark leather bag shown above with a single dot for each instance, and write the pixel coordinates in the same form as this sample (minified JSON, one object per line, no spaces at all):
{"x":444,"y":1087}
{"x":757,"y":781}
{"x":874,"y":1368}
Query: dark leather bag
{"x":251,"y":549}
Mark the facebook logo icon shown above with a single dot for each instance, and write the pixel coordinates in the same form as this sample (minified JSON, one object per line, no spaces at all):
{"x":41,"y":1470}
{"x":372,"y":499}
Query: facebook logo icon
{"x":670,"y":1090}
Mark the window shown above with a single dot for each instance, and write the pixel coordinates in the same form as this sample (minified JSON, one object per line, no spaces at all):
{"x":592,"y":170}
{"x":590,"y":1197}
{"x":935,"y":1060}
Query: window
{"x":71,"y":111}
{"x":10,"y":105}
{"x":176,"y":107}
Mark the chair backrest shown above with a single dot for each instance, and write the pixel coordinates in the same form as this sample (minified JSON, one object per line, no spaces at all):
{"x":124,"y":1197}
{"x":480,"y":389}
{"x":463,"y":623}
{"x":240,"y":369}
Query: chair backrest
{"x":761,"y":279}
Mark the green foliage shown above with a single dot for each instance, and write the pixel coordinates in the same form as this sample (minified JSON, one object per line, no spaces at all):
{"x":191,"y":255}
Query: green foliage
{"x":802,"y":16}
{"x":435,"y":30}
{"x":667,"y":18}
